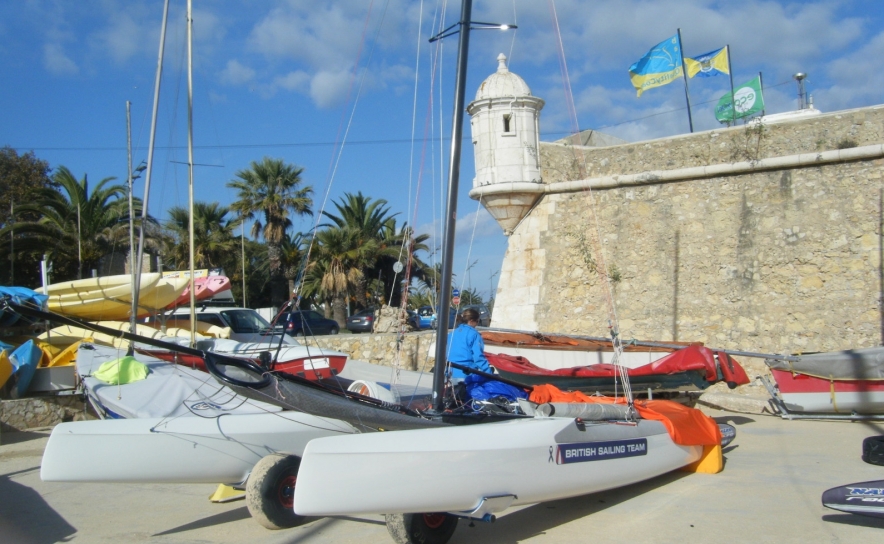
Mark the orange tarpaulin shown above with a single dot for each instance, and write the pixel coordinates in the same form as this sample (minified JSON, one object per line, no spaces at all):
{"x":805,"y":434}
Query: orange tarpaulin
{"x":686,"y":426}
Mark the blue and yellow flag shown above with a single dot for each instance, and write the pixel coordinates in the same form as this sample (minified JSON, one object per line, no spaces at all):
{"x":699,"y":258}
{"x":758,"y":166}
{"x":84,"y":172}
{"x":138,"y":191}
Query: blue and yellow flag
{"x":708,"y":64}
{"x":659,"y":66}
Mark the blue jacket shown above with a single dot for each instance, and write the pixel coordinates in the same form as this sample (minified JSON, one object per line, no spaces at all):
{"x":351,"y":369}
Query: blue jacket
{"x":466,"y":347}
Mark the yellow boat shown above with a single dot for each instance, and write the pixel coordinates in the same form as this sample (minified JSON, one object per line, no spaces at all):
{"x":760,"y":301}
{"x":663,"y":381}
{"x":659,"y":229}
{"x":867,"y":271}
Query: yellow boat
{"x":111,"y":298}
{"x":61,"y":338}
{"x":5,"y":368}
{"x":104,"y":287}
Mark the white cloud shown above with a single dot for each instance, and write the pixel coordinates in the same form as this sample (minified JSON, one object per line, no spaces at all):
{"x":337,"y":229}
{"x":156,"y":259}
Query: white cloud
{"x":293,"y":81}
{"x":474,"y":225}
{"x":57,"y":62}
{"x":122,"y":38}
{"x":236,"y":73}
{"x":329,"y":89}
{"x":857,"y":78}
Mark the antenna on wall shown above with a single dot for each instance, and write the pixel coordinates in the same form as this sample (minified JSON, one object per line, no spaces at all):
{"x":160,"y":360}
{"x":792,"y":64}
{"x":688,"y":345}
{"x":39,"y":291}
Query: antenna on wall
{"x":802,"y":96}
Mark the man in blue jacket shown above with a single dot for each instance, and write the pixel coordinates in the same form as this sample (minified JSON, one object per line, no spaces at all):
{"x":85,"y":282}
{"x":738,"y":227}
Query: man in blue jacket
{"x":466,"y":347}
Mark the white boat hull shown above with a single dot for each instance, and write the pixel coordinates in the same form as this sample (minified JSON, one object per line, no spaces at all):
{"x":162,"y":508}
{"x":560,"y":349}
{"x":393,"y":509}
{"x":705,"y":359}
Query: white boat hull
{"x":454,"y":469}
{"x":866,"y":402}
{"x":181,"y":450}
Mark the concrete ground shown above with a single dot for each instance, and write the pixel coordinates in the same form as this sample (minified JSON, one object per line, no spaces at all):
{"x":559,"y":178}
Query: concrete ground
{"x":769,"y":491}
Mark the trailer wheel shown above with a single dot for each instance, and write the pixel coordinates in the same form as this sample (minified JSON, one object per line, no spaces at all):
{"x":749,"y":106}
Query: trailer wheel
{"x":270,"y":491}
{"x":421,"y":528}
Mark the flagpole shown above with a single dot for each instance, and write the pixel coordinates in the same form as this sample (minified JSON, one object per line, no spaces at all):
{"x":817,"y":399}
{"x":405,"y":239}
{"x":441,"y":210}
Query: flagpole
{"x":730,"y":72}
{"x":761,"y":88}
{"x":684,"y":76}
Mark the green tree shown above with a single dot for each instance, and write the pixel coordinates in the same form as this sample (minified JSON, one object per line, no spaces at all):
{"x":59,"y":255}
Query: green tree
{"x":342,"y":254}
{"x":213,"y":242}
{"x":272,"y":189}
{"x":76,"y":227}
{"x":21,"y":178}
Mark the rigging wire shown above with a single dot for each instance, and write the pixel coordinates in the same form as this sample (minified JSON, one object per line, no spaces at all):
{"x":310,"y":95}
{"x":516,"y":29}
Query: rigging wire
{"x":602,"y":270}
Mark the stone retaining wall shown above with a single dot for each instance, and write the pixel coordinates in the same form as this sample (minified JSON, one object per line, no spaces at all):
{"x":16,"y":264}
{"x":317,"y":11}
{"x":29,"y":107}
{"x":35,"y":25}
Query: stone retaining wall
{"x":413,"y":353}
{"x":35,"y":412}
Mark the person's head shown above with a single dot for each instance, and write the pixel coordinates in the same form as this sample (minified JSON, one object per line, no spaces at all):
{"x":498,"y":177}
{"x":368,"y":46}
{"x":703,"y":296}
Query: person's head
{"x":470,"y":316}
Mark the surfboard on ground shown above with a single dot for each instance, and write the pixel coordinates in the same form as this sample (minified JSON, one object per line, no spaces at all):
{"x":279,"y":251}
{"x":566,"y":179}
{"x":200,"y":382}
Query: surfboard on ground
{"x":863,"y":498}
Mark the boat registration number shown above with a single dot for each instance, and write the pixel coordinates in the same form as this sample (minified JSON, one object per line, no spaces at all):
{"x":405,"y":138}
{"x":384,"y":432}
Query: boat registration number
{"x":599,"y":451}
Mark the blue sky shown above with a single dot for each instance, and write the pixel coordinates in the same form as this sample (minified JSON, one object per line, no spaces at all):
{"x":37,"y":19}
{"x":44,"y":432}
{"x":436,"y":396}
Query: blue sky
{"x":288,"y":79}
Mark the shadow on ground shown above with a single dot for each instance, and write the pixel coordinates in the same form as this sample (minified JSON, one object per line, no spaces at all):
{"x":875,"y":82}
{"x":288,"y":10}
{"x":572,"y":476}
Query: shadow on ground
{"x":25,"y":518}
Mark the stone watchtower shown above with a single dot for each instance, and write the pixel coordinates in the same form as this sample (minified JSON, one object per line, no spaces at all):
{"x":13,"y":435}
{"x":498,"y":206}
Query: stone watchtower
{"x":505,"y":123}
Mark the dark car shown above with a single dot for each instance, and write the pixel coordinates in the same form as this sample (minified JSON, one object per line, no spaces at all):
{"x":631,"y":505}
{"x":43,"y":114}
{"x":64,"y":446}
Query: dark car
{"x":362,"y":321}
{"x":484,"y":314}
{"x":309,"y":323}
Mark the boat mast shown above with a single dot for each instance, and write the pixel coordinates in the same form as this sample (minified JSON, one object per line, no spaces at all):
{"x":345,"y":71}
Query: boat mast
{"x":153,"y":131}
{"x":132,"y":317}
{"x":190,"y":164}
{"x":463,"y":46}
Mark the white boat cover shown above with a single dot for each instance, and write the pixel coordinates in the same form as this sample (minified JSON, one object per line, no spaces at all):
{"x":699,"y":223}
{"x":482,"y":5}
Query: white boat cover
{"x":850,"y":364}
{"x":169,"y":390}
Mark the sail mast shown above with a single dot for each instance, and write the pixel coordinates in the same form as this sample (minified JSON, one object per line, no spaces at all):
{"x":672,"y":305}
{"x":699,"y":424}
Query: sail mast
{"x":153,"y":131}
{"x":190,"y":165}
{"x":451,"y":212}
{"x":132,"y":317}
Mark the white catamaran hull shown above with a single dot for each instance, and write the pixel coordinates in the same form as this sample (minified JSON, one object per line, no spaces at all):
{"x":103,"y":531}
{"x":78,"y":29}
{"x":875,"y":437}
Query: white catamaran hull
{"x":454,"y":469}
{"x":180,"y":450}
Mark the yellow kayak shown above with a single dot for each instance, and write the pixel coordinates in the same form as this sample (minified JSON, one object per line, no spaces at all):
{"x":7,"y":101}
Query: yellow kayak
{"x":114,"y":300}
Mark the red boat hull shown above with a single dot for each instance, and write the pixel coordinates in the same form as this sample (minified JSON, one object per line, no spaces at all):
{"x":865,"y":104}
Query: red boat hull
{"x":313,"y":368}
{"x":803,"y":393}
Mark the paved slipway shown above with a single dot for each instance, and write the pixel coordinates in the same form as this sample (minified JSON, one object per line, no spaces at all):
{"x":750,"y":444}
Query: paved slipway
{"x":769,"y":491}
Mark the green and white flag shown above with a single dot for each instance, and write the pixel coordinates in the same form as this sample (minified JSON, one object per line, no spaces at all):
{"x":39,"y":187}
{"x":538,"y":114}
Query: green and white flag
{"x":748,"y":100}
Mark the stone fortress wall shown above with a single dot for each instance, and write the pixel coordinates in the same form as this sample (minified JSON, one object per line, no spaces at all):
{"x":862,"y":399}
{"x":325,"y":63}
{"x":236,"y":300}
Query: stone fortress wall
{"x":760,"y":237}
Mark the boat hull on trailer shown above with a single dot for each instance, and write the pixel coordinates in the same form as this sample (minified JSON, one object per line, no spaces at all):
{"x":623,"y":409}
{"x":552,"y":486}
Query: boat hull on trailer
{"x":803,"y":393}
{"x":455,"y":469}
{"x":690,"y":368}
{"x":837,"y":382}
{"x":180,"y":450}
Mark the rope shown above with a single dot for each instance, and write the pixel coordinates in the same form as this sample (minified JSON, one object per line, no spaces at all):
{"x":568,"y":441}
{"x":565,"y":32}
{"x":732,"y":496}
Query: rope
{"x":580,"y":158}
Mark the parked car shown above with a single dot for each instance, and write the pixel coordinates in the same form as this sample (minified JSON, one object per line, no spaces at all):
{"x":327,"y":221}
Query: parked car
{"x":425,"y":317}
{"x":452,"y":316}
{"x":413,"y":320}
{"x":245,"y":324}
{"x":362,"y":321}
{"x":484,"y":314}
{"x":308,"y":323}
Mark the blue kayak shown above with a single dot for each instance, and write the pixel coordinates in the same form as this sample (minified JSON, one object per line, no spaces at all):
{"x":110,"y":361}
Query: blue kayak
{"x":24,"y":296}
{"x":24,"y":361}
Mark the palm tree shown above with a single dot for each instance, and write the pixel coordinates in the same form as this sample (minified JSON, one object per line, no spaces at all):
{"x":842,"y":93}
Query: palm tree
{"x":342,"y":253}
{"x":213,"y":241}
{"x":73,"y":225}
{"x":272,"y":189}
{"x":394,"y":246}
{"x":366,"y":220}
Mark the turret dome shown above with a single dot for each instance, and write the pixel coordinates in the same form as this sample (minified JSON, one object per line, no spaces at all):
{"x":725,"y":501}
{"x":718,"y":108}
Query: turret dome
{"x":502,"y":83}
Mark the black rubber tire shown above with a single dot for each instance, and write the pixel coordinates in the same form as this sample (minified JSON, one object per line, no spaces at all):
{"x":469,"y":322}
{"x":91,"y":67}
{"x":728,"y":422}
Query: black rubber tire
{"x":421,"y":528}
{"x":334,"y":331}
{"x":873,"y":450}
{"x":270,"y":491}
